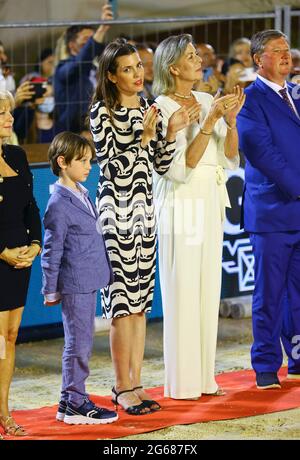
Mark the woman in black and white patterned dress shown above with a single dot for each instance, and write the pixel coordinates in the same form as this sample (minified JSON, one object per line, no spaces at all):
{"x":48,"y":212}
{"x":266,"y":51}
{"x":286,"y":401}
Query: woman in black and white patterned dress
{"x":128,"y":137}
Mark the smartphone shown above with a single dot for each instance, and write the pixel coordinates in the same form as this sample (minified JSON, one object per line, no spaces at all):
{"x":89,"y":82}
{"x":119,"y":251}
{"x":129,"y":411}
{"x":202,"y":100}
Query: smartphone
{"x":39,"y":89}
{"x":114,"y":7}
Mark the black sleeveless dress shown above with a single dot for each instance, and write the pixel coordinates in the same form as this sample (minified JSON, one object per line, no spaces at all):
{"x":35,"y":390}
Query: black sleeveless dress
{"x":19,"y":225}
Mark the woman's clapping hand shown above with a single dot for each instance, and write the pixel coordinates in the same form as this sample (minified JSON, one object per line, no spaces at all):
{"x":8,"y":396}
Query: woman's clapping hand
{"x":179,"y":120}
{"x":182,"y":118}
{"x":149,"y":125}
{"x":230,"y":116}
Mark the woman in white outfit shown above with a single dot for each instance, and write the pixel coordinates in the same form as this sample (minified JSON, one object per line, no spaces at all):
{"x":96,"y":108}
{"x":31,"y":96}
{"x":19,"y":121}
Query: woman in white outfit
{"x":191,"y":199}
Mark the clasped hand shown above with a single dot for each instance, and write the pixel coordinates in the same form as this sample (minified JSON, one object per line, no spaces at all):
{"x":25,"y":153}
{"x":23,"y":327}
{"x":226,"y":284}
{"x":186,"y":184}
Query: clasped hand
{"x":20,"y":257}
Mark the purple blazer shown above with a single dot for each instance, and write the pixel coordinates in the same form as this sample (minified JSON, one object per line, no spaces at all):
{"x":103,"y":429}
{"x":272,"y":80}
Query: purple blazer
{"x":74,"y":258}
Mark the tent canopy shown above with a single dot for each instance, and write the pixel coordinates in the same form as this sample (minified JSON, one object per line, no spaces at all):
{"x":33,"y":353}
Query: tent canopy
{"x":53,"y":10}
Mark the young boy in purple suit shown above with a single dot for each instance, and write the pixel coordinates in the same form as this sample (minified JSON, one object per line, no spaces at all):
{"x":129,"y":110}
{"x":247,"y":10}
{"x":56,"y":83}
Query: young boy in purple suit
{"x":75,"y":265}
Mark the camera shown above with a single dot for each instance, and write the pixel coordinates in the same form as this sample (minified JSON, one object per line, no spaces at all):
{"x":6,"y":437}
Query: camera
{"x":39,"y":88}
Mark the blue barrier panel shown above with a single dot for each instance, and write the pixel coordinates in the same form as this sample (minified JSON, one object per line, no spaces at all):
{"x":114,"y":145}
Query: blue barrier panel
{"x":238,"y":260}
{"x":35,"y":312}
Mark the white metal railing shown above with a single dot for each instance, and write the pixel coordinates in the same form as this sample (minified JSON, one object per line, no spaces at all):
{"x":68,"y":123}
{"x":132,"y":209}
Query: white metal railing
{"x":276,"y":15}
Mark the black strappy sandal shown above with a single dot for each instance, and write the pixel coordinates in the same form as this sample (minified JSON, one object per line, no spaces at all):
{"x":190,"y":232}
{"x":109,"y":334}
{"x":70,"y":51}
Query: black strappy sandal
{"x":131,"y":410}
{"x":153,"y":405}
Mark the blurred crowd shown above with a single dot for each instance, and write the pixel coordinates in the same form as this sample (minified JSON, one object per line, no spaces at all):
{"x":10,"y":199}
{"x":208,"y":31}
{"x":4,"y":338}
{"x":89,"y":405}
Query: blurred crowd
{"x":55,"y":96}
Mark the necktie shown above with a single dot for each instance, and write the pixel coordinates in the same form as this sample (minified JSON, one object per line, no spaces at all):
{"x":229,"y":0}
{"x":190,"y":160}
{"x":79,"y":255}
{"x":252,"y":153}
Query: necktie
{"x":286,"y":99}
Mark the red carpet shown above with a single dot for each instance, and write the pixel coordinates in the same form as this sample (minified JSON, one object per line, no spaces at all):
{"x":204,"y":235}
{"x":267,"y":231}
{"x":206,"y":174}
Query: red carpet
{"x":242,"y":400}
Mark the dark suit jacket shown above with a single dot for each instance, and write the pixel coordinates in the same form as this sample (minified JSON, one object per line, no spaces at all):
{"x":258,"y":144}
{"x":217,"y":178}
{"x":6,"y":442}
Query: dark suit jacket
{"x":15,"y":157}
{"x":73,"y":89}
{"x":269,"y":133}
{"x":74,"y":258}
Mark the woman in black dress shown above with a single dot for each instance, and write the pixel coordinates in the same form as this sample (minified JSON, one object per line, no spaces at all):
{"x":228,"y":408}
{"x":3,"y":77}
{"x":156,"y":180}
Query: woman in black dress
{"x":20,"y":240}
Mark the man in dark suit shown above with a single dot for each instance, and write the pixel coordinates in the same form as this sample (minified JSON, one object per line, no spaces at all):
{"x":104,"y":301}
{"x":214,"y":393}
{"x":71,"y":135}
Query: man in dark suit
{"x":73,"y":85}
{"x":269,"y":130}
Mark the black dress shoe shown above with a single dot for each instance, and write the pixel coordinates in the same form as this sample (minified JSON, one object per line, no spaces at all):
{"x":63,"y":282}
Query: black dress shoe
{"x":267,"y":380}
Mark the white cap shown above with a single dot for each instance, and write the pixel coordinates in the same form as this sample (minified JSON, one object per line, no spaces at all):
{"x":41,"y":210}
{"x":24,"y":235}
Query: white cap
{"x":248,"y":75}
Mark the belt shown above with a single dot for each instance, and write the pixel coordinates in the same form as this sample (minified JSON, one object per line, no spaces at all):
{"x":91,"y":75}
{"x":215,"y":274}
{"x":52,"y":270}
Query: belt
{"x":221,"y":180}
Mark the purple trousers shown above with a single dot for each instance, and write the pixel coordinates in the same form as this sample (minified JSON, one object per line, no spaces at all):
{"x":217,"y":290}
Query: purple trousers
{"x":78,"y":315}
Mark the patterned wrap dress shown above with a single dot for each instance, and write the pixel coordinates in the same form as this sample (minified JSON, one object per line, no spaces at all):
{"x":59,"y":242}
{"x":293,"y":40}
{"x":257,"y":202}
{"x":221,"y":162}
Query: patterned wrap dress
{"x":125,"y":204}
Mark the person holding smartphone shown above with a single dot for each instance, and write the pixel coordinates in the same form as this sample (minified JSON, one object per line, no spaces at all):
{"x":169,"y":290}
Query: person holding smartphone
{"x":34,"y":121}
{"x":114,"y":7}
{"x":72,"y":77}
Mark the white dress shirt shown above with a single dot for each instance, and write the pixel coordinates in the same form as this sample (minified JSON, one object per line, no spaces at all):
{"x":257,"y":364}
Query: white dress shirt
{"x":275,"y":87}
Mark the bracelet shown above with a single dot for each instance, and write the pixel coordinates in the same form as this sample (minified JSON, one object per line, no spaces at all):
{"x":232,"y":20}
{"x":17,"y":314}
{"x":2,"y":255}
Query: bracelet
{"x":207,"y":133}
{"x":36,"y":242}
{"x":228,"y":126}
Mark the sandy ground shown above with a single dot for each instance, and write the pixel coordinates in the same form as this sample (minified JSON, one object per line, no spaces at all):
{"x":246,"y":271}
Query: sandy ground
{"x":37,"y":382}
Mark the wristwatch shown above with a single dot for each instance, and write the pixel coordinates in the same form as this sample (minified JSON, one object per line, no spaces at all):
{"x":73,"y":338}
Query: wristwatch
{"x":39,"y":244}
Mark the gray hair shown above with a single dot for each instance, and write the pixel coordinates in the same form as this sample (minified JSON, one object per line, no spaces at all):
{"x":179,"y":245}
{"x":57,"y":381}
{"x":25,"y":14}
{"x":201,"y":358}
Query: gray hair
{"x":260,"y":39}
{"x":295,"y":53}
{"x":237,"y":42}
{"x":167,"y":53}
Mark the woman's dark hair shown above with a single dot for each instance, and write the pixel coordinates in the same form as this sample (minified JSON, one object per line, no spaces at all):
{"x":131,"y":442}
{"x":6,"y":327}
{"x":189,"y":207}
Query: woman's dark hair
{"x":69,"y":145}
{"x":105,"y":89}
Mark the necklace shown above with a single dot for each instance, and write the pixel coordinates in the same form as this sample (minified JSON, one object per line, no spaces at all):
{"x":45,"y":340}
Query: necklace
{"x":182,"y":96}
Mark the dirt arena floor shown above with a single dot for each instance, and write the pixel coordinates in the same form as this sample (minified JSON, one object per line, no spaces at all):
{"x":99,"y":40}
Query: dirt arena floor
{"x":37,"y":382}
